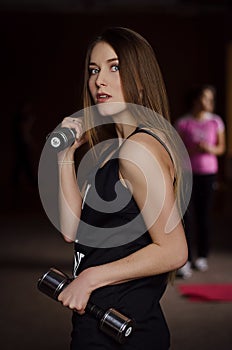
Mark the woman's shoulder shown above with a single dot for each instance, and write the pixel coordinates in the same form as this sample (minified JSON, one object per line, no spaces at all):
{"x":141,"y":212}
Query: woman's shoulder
{"x":145,"y":144}
{"x":216,"y":119}
{"x":148,"y":137}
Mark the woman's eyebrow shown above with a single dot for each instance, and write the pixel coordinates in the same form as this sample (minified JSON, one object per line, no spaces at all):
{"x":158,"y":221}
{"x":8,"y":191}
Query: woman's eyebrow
{"x":109,"y":60}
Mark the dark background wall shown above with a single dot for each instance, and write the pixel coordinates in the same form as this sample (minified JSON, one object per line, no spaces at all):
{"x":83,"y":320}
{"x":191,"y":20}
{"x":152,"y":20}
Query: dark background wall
{"x":42,"y":54}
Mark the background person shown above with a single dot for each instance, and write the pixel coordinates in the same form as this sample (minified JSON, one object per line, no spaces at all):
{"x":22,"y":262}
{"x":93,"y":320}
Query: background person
{"x":203,"y":133}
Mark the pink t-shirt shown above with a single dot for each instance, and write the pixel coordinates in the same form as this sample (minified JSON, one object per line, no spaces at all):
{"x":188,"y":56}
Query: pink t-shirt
{"x":194,"y":131}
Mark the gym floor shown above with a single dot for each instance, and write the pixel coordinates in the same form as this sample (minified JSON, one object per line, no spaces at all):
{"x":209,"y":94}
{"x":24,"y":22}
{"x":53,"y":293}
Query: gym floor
{"x":30,"y":245}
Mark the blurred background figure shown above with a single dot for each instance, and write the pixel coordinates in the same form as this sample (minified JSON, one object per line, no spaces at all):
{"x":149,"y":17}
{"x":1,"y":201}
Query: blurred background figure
{"x":203,"y":133}
{"x":24,"y":169}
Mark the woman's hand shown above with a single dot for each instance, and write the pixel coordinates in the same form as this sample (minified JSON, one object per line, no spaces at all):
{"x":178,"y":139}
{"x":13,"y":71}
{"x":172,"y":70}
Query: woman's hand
{"x":204,"y":147}
{"x":77,"y":125}
{"x":77,"y":293}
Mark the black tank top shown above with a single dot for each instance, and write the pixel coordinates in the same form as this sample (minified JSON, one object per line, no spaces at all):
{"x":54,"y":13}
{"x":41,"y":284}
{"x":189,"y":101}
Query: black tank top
{"x":139,"y":298}
{"x":93,"y":247}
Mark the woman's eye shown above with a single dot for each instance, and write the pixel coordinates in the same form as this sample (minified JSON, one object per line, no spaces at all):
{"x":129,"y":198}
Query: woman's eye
{"x":115,"y":68}
{"x":93,"y":71}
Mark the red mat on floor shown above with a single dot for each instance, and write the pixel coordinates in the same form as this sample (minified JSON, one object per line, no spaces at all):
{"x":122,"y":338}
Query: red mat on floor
{"x":207,"y":292}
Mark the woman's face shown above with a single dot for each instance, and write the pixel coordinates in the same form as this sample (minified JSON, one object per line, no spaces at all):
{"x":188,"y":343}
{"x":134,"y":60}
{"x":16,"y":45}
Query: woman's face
{"x":207,"y":100}
{"x":104,"y":80}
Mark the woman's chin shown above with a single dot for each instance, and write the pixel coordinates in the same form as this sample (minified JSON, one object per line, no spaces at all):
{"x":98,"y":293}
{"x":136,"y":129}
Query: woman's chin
{"x":111,"y":108}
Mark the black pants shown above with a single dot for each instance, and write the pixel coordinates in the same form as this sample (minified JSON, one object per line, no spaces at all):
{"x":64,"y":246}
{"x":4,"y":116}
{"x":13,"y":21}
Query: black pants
{"x":198,"y":216}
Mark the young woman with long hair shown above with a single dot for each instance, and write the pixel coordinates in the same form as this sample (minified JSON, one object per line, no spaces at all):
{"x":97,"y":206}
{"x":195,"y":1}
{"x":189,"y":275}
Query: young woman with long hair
{"x":125,"y":218}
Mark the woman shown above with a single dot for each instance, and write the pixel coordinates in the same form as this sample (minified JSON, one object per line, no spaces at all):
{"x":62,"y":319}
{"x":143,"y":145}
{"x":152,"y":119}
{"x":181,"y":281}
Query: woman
{"x":203,"y":133}
{"x":129,"y":274}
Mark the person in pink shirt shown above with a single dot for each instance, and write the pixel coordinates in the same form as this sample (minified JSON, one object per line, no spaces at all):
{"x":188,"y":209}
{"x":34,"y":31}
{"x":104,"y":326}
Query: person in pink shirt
{"x":203,"y":134}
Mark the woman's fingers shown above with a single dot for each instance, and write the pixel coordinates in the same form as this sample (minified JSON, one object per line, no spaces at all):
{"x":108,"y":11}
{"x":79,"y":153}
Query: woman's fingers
{"x":70,"y":301}
{"x":74,"y":123}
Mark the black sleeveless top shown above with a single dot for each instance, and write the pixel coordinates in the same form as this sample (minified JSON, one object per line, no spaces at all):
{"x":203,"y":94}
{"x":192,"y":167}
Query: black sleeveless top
{"x":109,"y":209}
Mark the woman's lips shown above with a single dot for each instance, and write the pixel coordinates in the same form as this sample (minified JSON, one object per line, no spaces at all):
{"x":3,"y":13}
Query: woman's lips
{"x":101,"y":97}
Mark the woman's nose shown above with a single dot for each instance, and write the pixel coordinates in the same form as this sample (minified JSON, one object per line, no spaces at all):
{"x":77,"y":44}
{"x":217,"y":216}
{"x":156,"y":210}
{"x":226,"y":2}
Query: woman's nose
{"x":101,"y":79}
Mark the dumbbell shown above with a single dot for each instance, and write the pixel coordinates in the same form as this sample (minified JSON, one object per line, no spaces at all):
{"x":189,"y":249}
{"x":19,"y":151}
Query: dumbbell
{"x":111,"y":321}
{"x":61,"y":138}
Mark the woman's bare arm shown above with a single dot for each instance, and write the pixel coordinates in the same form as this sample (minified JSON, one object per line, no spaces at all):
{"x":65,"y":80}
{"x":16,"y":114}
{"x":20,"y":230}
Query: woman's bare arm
{"x":217,"y":149}
{"x":70,"y":199}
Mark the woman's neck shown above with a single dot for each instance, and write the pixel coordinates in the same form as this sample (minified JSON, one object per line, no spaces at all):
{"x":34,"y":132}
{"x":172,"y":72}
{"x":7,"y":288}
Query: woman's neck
{"x":199,"y":114}
{"x":124,"y":130}
{"x":125,"y":124}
